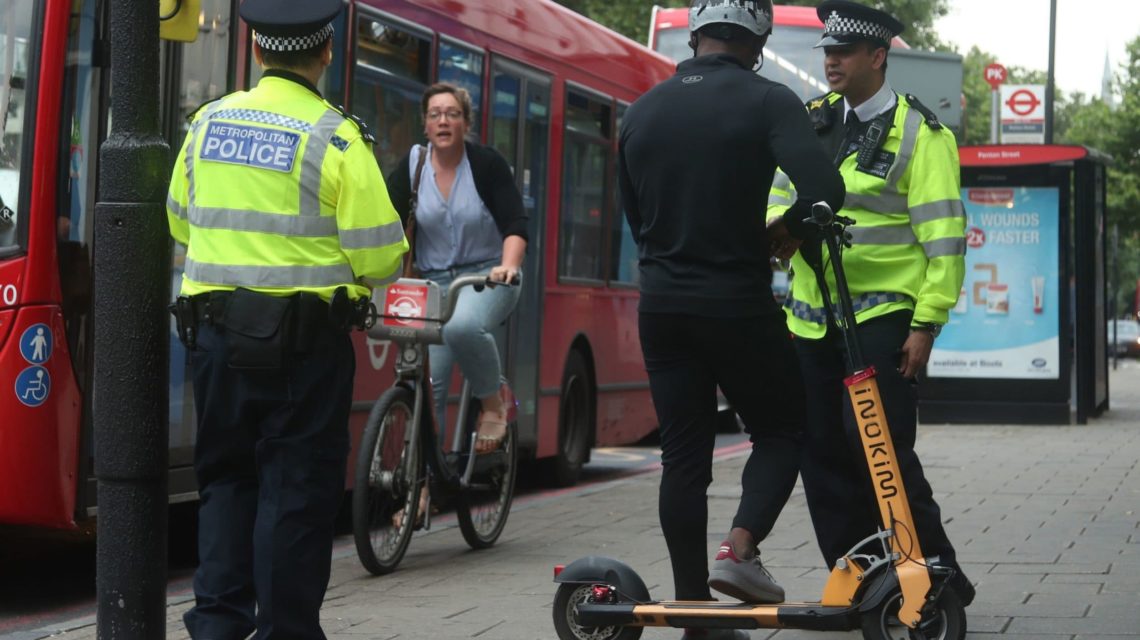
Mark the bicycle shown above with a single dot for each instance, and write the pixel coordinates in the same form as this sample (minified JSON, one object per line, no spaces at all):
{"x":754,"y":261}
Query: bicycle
{"x":391,"y":469}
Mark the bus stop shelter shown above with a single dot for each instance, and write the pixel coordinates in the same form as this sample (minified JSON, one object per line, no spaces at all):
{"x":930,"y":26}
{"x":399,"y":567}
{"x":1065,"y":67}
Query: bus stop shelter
{"x":1026,"y":343}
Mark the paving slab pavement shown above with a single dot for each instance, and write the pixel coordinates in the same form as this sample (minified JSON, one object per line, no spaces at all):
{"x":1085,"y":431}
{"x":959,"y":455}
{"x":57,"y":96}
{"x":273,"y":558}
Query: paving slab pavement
{"x":1046,"y":520}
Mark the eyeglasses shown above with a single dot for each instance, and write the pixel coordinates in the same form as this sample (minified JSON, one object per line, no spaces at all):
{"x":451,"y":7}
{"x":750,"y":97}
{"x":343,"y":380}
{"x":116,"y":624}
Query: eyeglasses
{"x":451,"y":114}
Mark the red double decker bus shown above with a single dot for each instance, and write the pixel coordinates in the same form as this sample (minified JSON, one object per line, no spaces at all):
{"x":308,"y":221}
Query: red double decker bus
{"x":550,"y":89}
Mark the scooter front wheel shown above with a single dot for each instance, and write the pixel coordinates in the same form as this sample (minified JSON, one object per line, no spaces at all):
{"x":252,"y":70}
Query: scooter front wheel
{"x":944,"y":620}
{"x":566,"y":602}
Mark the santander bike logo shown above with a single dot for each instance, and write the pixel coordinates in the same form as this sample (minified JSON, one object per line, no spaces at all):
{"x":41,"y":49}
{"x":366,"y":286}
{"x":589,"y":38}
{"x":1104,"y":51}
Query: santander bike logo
{"x":405,"y":306}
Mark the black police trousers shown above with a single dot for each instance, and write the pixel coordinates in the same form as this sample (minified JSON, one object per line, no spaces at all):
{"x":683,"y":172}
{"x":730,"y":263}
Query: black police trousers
{"x":753,"y":362}
{"x":834,"y":470}
{"x":270,"y":460}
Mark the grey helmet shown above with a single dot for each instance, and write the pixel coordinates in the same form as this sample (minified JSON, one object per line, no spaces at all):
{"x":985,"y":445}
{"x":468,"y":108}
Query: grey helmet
{"x":754,"y":15}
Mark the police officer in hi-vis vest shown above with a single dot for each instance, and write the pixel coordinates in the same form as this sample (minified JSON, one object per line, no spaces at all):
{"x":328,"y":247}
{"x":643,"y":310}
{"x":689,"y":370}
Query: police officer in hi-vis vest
{"x":905,"y":269}
{"x":288,"y":227}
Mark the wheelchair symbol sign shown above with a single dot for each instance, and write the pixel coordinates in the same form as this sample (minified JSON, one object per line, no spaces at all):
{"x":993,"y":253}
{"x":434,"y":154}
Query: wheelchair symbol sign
{"x":33,"y":386}
{"x":36,"y":343}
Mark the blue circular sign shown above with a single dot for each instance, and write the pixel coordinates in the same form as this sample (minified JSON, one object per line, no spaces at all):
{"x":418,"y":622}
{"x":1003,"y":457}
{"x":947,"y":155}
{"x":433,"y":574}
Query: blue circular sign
{"x":33,"y":386}
{"x":36,"y":343}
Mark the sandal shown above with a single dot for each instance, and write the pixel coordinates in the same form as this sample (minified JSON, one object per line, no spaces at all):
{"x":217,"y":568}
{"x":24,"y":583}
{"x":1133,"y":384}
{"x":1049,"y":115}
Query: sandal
{"x":491,"y":430}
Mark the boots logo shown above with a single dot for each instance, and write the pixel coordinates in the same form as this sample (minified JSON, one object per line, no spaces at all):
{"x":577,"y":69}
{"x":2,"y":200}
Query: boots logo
{"x":692,"y":79}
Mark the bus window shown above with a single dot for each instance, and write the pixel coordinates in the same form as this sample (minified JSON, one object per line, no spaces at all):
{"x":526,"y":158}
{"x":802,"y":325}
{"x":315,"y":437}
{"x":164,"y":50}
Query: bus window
{"x":205,"y":62}
{"x":15,"y":28}
{"x":584,"y":186}
{"x":393,"y":68}
{"x":505,"y":90}
{"x":464,"y":68}
{"x":674,"y":43}
{"x":790,"y":60}
{"x":623,"y":268}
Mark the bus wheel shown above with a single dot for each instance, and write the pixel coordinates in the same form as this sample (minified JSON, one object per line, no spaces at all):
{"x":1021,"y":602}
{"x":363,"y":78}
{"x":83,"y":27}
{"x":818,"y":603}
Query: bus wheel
{"x":575,"y":422}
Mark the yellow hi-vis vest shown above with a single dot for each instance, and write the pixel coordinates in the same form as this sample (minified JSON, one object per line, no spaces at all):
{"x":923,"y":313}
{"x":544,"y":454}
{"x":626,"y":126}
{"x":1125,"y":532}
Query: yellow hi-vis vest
{"x":277,"y":191}
{"x":908,"y":244}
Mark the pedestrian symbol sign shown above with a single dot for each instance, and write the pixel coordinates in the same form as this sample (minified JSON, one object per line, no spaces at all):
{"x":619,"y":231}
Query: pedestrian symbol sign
{"x":33,"y":386}
{"x":36,"y":343}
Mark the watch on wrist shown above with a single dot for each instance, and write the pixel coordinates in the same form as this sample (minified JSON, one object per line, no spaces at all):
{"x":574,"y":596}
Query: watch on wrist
{"x":933,"y":328}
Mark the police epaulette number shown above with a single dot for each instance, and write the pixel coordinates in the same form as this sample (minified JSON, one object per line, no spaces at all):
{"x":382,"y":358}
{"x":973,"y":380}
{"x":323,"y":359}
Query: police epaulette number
{"x":927,"y":114}
{"x":820,"y":113}
{"x":365,"y":131}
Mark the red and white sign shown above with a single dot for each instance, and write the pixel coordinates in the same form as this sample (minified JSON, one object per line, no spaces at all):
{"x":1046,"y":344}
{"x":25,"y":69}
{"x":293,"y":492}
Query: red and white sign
{"x":1020,"y":155}
{"x":996,"y":197}
{"x":405,"y":306}
{"x":995,"y":75}
{"x":1023,"y":113}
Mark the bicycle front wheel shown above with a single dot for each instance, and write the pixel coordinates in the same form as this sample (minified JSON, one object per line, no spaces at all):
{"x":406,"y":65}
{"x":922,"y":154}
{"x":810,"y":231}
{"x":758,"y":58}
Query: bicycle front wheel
{"x":389,"y":477}
{"x":483,"y":507}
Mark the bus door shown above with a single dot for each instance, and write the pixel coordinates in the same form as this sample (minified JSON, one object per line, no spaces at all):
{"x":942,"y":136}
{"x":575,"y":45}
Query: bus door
{"x":519,"y":128}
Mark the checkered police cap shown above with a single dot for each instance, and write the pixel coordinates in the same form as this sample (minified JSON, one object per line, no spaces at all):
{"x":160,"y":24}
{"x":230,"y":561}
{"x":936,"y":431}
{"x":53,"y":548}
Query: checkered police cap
{"x":845,"y":22}
{"x":290,"y":25}
{"x":294,"y":43}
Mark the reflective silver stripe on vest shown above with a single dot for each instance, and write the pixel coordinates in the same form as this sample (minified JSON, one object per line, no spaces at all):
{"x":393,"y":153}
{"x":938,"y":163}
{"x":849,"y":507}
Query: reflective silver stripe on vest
{"x":191,"y":153}
{"x":945,"y":247}
{"x":818,"y":315}
{"x":888,"y":202}
{"x":937,"y":210}
{"x":882,"y":235}
{"x":175,"y":207}
{"x":781,"y":181}
{"x":911,"y":126}
{"x":774,"y":200}
{"x":315,"y":149}
{"x":265,"y":276}
{"x":372,"y":237}
{"x":279,"y":223}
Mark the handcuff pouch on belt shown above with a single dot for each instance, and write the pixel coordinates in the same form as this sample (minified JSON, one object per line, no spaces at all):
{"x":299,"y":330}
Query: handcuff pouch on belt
{"x":258,"y":329}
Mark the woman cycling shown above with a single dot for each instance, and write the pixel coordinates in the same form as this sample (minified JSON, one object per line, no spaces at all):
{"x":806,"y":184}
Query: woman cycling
{"x":469,"y":218}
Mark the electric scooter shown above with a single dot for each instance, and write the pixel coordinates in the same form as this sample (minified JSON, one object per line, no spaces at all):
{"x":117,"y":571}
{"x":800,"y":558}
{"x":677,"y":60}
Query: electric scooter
{"x":883,"y":585}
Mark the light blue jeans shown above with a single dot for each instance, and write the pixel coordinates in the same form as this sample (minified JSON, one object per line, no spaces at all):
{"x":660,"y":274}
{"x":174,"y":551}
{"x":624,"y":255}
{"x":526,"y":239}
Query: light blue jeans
{"x":467,"y":338}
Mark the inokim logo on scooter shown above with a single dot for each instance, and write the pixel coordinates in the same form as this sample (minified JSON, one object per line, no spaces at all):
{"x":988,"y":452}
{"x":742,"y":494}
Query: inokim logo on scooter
{"x":876,"y":445}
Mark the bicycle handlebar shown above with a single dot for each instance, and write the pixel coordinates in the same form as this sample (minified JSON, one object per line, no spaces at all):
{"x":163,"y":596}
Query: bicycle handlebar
{"x":476,"y":281}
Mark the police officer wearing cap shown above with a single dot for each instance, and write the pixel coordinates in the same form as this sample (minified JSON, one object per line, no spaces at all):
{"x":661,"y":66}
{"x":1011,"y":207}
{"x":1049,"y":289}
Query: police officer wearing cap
{"x":905,"y":268}
{"x":696,"y":158}
{"x":288,"y":227}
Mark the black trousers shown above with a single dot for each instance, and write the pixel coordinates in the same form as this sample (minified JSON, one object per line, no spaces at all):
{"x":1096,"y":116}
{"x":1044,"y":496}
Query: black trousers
{"x":836,"y":481}
{"x":753,"y":362}
{"x":270,"y":460}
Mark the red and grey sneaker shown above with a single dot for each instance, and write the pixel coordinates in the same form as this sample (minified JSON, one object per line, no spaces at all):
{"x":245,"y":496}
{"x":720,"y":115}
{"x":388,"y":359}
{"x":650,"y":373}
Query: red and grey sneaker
{"x":744,"y":579}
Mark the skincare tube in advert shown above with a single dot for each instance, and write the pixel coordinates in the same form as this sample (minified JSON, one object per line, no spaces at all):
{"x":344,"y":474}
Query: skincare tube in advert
{"x":1038,"y":293}
{"x":997,"y":299}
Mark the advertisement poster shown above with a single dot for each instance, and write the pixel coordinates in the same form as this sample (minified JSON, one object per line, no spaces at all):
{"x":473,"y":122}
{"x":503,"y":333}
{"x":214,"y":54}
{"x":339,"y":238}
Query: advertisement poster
{"x":1006,"y":322}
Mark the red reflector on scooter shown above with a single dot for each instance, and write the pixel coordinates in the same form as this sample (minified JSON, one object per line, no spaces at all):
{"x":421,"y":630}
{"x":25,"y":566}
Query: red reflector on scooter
{"x":558,"y":569}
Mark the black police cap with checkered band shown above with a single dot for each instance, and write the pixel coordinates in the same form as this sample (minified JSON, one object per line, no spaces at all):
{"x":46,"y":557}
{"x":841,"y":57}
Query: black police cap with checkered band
{"x":845,"y":22}
{"x":290,"y":25}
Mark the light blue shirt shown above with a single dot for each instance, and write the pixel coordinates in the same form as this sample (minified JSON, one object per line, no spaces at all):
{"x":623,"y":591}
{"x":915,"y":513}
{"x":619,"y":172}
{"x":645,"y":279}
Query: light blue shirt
{"x":453,"y":231}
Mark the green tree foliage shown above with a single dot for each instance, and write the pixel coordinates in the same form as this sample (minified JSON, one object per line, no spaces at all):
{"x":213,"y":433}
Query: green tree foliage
{"x":1117,"y":133}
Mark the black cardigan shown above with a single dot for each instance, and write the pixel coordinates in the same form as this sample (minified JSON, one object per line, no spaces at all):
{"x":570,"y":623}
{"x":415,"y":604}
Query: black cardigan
{"x":493,"y":181}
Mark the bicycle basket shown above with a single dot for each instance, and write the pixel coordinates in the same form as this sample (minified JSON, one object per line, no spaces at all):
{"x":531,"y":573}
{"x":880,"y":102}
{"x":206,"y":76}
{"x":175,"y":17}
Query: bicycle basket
{"x":408,"y":311}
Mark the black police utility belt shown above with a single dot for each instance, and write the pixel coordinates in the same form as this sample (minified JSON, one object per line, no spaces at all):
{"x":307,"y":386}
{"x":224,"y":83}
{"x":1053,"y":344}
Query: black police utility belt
{"x":261,"y":330}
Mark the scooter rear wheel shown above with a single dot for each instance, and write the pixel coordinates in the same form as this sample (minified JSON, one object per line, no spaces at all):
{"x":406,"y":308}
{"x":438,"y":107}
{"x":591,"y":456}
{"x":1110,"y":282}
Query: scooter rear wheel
{"x":566,"y":602}
{"x":947,"y":621}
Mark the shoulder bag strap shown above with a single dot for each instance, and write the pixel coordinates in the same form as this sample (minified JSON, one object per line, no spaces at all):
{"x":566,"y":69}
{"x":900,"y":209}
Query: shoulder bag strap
{"x":413,"y":202}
